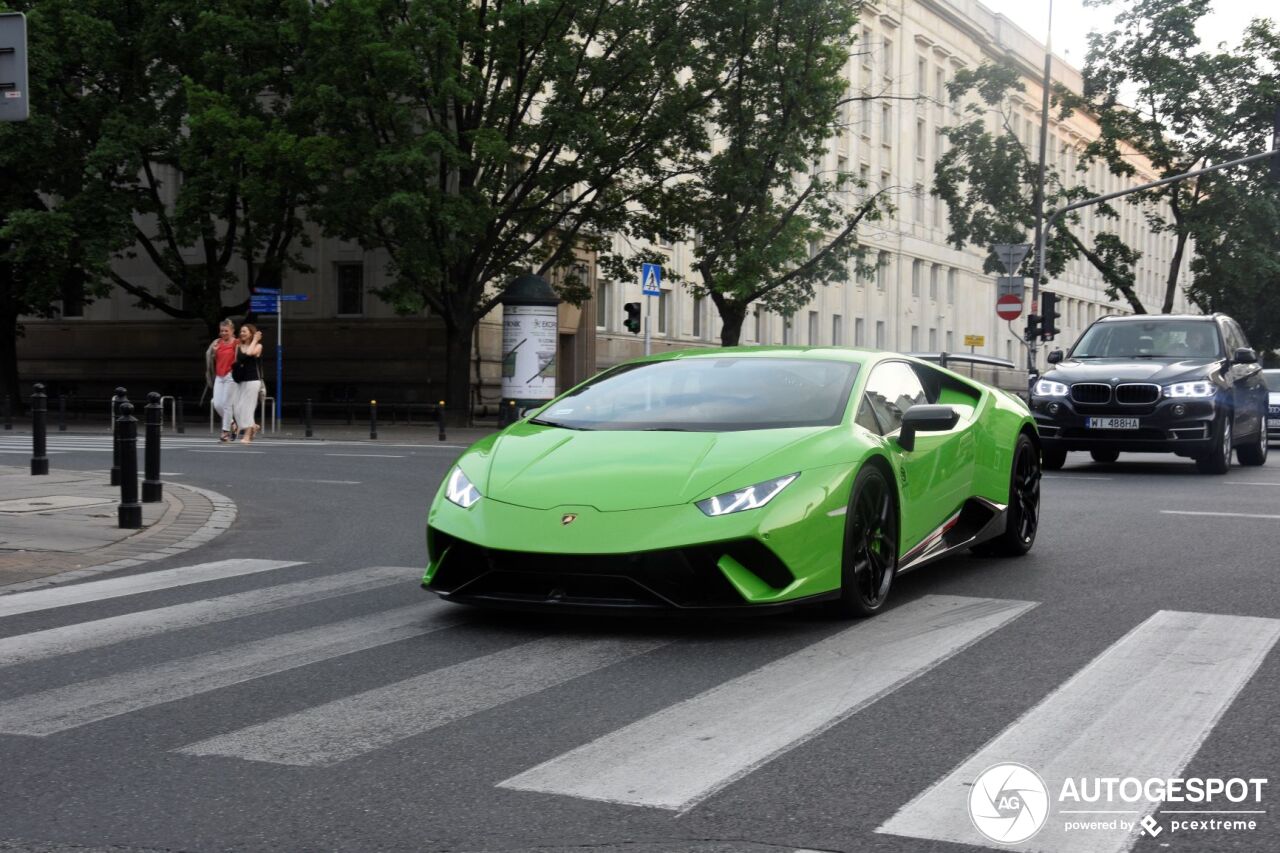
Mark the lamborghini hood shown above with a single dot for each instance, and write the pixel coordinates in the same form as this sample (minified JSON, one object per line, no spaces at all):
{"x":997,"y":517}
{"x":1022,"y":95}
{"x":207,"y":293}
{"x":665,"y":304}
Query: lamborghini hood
{"x":546,"y":467}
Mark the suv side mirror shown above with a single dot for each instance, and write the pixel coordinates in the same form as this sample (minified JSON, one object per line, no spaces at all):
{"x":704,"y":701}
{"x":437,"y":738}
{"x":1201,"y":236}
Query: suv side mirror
{"x":1054,"y":357}
{"x":1245,"y":355}
{"x":925,"y":419}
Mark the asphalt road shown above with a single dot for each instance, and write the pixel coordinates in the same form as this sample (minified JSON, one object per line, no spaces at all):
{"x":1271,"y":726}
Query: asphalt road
{"x":334,"y":705}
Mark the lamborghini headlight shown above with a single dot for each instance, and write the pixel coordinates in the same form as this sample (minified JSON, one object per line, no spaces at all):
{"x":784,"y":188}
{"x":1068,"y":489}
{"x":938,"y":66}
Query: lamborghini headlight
{"x":1049,"y":388}
{"x":1189,"y":389}
{"x":752,"y":497}
{"x":459,"y":489}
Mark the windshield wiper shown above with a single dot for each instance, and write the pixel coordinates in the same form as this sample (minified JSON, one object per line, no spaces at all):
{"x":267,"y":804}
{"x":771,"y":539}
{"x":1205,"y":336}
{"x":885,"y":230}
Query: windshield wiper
{"x":666,"y":429}
{"x":541,"y":422}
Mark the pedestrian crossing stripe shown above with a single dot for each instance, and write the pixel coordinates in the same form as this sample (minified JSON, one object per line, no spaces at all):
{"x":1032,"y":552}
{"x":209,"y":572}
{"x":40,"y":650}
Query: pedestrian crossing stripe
{"x":1143,"y":706}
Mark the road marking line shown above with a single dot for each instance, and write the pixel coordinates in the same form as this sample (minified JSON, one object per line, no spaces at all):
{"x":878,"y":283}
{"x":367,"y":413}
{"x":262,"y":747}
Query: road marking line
{"x":328,"y":482}
{"x":146,"y":623}
{"x":1072,"y":477}
{"x":349,"y":727}
{"x":1219,"y":514}
{"x":225,"y":450}
{"x":1140,"y":709}
{"x":370,"y":455}
{"x":1248,"y":483}
{"x":64,"y":596}
{"x":682,"y":754}
{"x":50,"y":711}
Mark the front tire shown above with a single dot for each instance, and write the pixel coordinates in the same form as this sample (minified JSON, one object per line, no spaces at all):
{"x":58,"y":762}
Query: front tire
{"x":1218,"y":460}
{"x":1023,"y":515}
{"x":870,"y":557}
{"x":1256,"y":453}
{"x":1104,"y":455}
{"x":1053,"y":460}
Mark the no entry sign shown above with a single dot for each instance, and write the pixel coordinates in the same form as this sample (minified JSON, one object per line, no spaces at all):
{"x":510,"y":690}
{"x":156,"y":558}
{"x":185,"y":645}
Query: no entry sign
{"x":1009,"y":307}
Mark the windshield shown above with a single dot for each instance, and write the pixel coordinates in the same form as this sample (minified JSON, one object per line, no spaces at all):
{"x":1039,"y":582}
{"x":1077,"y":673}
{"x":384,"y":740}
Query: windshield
{"x":1156,"y":339}
{"x":1272,"y":378}
{"x":709,"y":395}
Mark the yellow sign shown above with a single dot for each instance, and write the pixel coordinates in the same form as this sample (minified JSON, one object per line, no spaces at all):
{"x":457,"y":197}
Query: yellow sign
{"x":975,"y":340}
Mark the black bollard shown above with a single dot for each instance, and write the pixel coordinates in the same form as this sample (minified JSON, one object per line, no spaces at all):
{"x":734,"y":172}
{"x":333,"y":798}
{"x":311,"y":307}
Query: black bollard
{"x":512,"y":414}
{"x":152,"y":488}
{"x":129,"y":512}
{"x":178,"y":422}
{"x":440,"y":419}
{"x":373,"y":419}
{"x":8,"y":413}
{"x":62,"y":413}
{"x":307,"y":416}
{"x":119,"y":398}
{"x":39,"y":456}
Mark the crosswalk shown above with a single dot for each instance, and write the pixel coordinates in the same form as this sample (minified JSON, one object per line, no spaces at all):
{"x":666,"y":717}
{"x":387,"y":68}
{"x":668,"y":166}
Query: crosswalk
{"x":1141,"y":708}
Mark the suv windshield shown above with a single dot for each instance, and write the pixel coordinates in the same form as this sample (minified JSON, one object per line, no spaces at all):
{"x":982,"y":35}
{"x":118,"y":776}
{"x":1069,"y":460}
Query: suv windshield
{"x":1154,"y":339}
{"x":1272,"y":378}
{"x":709,"y":395}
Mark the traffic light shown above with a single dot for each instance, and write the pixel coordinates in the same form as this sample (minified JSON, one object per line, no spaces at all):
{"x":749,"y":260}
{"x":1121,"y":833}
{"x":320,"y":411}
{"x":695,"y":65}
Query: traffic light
{"x":1049,"y":315}
{"x":1033,"y":326}
{"x":633,"y":317}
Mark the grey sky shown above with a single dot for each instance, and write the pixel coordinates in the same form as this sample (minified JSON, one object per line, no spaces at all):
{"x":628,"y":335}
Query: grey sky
{"x":1072,"y":21}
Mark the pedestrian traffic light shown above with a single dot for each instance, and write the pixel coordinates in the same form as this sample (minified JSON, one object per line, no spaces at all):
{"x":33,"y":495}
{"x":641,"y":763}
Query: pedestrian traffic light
{"x":1033,"y":327}
{"x":1048,"y":315}
{"x":633,"y":317}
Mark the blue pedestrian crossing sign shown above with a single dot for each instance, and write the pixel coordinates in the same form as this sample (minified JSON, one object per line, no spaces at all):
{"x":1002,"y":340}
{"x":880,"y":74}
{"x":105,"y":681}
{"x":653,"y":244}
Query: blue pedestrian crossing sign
{"x":651,"y":279}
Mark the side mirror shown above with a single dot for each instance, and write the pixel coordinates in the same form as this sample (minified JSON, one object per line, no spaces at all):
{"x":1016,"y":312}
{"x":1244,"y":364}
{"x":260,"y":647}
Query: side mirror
{"x":1245,"y":355}
{"x":925,"y":419}
{"x":1054,"y":357}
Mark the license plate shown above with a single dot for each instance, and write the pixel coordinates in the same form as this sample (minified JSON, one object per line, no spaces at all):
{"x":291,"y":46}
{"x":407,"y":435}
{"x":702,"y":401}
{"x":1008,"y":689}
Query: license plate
{"x":1273,"y":423}
{"x":1112,"y":423}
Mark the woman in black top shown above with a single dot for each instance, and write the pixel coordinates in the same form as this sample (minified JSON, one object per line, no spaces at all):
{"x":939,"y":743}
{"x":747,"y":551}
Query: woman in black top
{"x":248,"y":380}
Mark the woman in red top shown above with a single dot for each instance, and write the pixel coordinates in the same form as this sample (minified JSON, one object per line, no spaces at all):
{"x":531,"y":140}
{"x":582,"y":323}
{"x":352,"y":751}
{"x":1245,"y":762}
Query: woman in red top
{"x":222,"y":353}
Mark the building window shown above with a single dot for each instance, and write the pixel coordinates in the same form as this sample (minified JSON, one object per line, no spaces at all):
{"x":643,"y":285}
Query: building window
{"x":879,"y":334}
{"x":920,"y":135}
{"x":664,"y":303}
{"x":951,"y":342}
{"x":813,"y":329}
{"x":951,"y":286}
{"x":882,"y":270}
{"x":602,"y":305}
{"x":761,"y":327}
{"x":915,"y":339}
{"x":72,"y":298}
{"x":698,"y":305}
{"x":918,"y":199}
{"x":933,"y":283}
{"x":922,"y":76}
{"x":859,"y":332}
{"x":837,"y":330}
{"x":886,"y":47}
{"x":1008,"y":350}
{"x":917,"y":272}
{"x":886,"y":124}
{"x":350,"y":289}
{"x":933,"y":340}
{"x":940,"y":86}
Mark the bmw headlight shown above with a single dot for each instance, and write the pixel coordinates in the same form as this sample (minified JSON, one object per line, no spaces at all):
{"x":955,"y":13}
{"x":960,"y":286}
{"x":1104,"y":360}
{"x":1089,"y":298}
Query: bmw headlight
{"x":1189,"y":389}
{"x":1049,"y":388}
{"x":752,"y":497}
{"x":459,"y":489}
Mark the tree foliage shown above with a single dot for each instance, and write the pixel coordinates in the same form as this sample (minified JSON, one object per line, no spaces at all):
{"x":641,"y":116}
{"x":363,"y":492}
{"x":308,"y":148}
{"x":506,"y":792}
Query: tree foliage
{"x":474,"y":141}
{"x":768,"y":223}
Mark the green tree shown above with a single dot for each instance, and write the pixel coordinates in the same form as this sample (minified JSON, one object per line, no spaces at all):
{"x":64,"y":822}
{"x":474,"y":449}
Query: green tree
{"x":987,"y":178}
{"x":1190,"y":107}
{"x":768,"y":222}
{"x":60,"y":221}
{"x":473,"y":141}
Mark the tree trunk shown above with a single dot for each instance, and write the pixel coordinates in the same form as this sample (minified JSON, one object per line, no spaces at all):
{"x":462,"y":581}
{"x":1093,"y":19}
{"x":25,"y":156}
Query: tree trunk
{"x":457,"y":365}
{"x":1171,"y":284}
{"x":732,"y":315}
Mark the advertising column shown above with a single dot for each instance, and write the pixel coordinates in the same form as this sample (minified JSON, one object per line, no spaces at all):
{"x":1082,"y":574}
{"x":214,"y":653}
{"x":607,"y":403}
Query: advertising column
{"x":530,"y":335}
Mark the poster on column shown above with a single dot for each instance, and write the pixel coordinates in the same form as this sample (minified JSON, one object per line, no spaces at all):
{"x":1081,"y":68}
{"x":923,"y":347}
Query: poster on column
{"x":529,"y":352}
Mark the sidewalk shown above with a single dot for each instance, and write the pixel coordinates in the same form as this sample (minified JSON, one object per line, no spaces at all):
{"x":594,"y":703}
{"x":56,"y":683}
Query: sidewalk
{"x":65,"y":524}
{"x":398,"y":433}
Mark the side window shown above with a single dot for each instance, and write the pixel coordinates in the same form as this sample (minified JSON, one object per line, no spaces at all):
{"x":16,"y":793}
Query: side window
{"x":1241,"y":340}
{"x":867,"y":418}
{"x":892,"y":388}
{"x":1229,"y":337}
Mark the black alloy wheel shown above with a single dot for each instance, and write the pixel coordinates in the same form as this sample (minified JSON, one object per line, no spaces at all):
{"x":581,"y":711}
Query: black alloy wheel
{"x":1104,"y":455}
{"x":1218,"y":460}
{"x":1255,"y":453}
{"x":1053,"y":460}
{"x":1022,"y":518}
{"x":870,"y":557}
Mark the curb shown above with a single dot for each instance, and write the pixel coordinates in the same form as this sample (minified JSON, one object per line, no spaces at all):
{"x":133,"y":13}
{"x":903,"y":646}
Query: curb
{"x":220,"y":519}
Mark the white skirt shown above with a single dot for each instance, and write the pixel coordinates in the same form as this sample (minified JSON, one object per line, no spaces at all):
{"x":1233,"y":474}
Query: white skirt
{"x":246,"y":403}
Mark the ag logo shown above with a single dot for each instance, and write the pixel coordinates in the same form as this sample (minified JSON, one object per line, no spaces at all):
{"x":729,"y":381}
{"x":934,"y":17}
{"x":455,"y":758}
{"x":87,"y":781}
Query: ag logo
{"x":1008,"y":803}
{"x":568,"y":518}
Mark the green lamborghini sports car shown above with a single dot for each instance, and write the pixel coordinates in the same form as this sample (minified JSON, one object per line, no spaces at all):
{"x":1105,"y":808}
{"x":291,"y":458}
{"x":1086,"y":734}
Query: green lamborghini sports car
{"x":743,"y":477}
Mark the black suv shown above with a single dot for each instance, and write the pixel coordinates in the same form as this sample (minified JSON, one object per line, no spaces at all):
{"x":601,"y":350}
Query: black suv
{"x":1147,"y":383}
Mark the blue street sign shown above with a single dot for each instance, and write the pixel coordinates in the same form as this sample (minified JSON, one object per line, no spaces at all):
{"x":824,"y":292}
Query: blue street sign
{"x":264,"y":291}
{"x":651,"y":279}
{"x":263,"y":306}
{"x":294,"y":297}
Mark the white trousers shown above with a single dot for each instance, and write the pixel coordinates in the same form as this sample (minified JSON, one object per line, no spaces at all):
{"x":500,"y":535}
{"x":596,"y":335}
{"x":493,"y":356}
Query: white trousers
{"x":246,"y":403}
{"x":224,"y":399}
